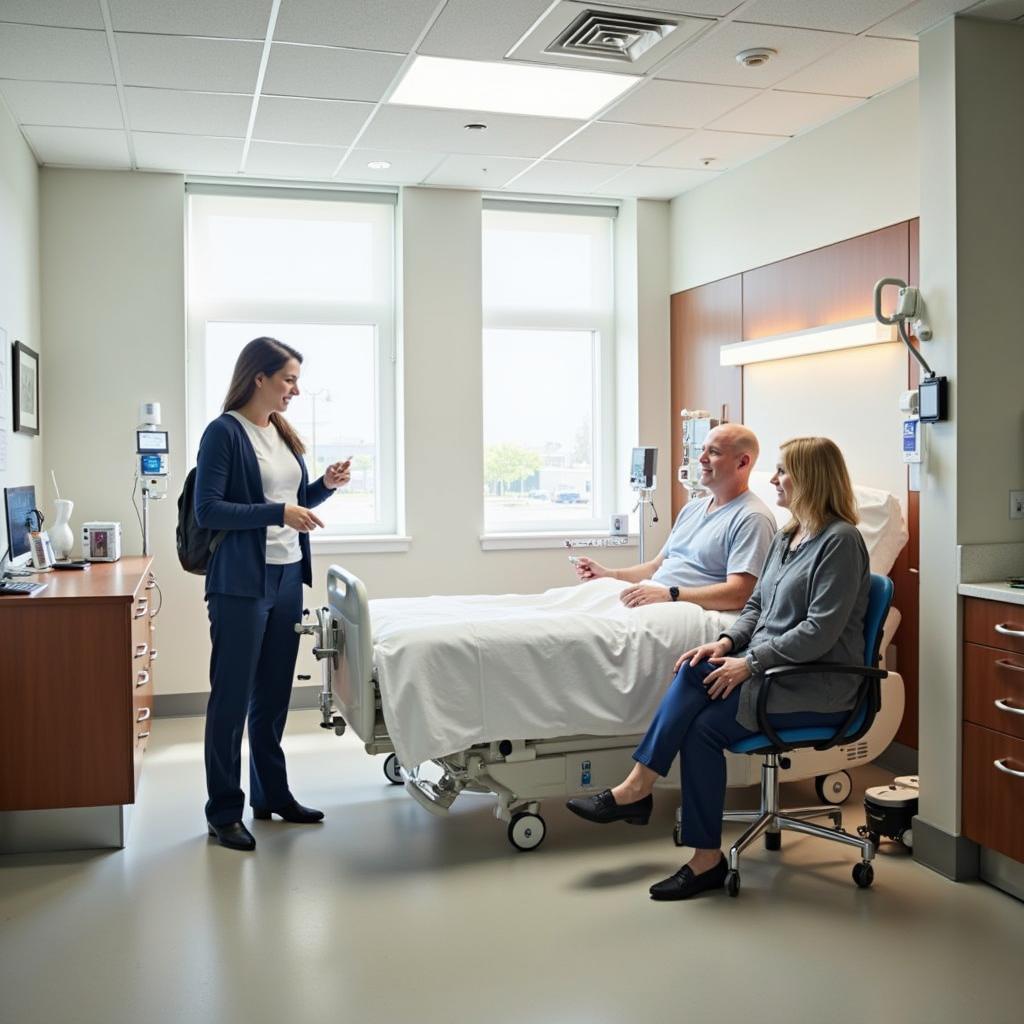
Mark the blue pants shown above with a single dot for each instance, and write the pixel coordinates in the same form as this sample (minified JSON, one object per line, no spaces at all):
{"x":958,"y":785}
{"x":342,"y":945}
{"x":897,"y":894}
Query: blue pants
{"x":251,"y":669}
{"x":689,"y":723}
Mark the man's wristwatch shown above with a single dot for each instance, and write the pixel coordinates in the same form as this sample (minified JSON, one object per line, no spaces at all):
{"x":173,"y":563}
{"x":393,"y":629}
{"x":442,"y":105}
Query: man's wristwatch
{"x":673,"y":592}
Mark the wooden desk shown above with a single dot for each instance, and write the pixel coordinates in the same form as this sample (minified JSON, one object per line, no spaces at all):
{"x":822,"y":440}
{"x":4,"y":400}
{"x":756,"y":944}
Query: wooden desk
{"x":76,"y":687}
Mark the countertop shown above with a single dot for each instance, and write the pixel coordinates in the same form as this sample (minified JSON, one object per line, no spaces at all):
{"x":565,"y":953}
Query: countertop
{"x":996,"y":590}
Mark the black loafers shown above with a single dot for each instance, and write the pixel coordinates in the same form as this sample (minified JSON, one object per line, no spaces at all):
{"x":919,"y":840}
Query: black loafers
{"x":234,"y":835}
{"x":293,"y":812}
{"x":684,"y":883}
{"x":602,"y":808}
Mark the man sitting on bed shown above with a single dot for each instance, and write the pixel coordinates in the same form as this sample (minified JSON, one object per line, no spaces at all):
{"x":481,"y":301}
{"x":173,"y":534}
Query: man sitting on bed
{"x":718,"y":544}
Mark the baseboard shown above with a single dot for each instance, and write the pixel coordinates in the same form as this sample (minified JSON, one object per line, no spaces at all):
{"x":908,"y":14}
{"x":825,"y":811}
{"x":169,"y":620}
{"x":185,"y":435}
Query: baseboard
{"x":898,"y":759}
{"x":956,"y":857}
{"x":190,"y":705}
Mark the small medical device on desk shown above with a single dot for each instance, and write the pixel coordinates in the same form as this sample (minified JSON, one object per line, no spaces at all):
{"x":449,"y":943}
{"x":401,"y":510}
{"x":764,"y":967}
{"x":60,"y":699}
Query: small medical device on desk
{"x":152,"y":448}
{"x":101,"y":542}
{"x":696,"y":425}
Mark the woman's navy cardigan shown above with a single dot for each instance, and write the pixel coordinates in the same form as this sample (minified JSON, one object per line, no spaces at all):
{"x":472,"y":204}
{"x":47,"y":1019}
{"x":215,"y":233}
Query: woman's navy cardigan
{"x":229,"y":497}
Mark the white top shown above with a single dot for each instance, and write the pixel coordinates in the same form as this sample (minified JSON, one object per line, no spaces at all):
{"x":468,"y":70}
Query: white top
{"x":281,"y":476}
{"x":705,"y":547}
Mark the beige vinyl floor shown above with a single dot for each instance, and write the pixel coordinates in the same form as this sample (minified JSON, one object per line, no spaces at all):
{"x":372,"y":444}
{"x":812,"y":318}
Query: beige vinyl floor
{"x":388,"y":914}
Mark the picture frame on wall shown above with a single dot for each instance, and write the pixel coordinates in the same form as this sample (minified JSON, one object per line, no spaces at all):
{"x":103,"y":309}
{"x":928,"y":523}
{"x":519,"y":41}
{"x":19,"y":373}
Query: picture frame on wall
{"x":25,"y":388}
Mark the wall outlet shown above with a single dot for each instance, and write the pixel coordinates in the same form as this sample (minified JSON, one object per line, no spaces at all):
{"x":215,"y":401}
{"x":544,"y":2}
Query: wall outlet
{"x":1017,"y":504}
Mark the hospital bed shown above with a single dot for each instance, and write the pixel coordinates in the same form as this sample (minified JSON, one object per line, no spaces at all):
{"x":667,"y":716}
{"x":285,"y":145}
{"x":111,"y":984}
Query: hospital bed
{"x":533,"y":697}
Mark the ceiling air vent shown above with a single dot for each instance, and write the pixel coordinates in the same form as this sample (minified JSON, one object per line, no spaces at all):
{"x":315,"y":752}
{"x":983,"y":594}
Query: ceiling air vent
{"x":604,"y":35}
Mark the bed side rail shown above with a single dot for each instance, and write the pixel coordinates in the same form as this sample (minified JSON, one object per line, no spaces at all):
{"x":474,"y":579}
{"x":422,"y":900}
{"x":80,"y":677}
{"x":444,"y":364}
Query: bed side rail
{"x":353,"y":677}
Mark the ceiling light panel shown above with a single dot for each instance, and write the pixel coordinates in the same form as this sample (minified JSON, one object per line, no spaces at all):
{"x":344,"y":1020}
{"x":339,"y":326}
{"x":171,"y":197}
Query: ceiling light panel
{"x":181,"y":62}
{"x":830,"y":15}
{"x":325,"y":73}
{"x":55,"y":54}
{"x":678,"y":104}
{"x":61,"y":13}
{"x":63,"y":103}
{"x":366,"y":26}
{"x":228,"y":19}
{"x":80,"y":147}
{"x":317,"y":122}
{"x":508,"y":88}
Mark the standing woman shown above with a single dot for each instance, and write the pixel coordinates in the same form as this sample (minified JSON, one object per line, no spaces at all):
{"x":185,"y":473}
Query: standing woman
{"x":251,"y":483}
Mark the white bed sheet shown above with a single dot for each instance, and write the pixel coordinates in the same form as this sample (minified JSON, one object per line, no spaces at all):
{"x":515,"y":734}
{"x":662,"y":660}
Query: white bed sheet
{"x":455,"y":671}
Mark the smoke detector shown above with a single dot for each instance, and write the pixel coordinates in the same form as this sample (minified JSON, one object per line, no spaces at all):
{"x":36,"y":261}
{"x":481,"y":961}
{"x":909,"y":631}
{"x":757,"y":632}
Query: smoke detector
{"x":756,"y":56}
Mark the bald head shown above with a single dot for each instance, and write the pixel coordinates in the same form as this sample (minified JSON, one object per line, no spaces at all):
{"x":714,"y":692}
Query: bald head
{"x":739,"y":439}
{"x":730,"y":453}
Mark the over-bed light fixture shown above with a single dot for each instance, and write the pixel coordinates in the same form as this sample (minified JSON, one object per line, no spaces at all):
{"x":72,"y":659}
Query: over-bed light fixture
{"x":827,"y":338}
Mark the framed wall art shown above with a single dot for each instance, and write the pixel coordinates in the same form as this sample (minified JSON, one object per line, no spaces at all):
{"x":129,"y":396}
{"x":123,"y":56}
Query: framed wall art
{"x":25,"y":388}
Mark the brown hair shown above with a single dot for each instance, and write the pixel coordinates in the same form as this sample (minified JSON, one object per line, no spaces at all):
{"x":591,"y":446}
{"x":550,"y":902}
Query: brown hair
{"x":266,"y":356}
{"x":821,"y":483}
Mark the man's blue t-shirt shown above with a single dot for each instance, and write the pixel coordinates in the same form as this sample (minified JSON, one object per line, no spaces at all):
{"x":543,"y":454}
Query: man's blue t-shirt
{"x":705,"y":548}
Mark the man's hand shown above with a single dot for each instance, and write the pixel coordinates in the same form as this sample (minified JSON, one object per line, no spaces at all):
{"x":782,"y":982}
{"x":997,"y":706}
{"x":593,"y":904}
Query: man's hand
{"x":337,"y":474}
{"x":588,"y":569}
{"x":729,"y":674}
{"x":718,"y":649}
{"x":644,"y":593}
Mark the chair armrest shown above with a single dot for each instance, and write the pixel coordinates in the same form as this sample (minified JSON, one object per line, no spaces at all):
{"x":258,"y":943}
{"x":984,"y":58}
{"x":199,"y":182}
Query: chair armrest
{"x":818,"y":667}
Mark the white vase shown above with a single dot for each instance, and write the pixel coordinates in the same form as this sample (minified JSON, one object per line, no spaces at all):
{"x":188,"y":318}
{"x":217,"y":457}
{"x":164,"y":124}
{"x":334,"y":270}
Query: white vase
{"x":62,"y":539}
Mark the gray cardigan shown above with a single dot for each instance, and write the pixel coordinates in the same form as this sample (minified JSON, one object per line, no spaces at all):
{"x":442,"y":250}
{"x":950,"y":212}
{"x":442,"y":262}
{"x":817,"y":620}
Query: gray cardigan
{"x":808,"y":607}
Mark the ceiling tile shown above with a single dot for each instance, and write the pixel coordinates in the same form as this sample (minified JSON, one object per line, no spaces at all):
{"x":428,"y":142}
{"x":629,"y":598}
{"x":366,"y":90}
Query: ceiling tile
{"x":55,"y":54}
{"x":232,"y":19}
{"x":188,"y":113}
{"x":656,"y":182}
{"x":715,"y":8}
{"x":179,"y":62}
{"x":407,"y":167}
{"x":784,"y":113}
{"x":325,"y":73}
{"x":831,"y":15}
{"x":79,"y":147}
{"x":325,"y":122}
{"x":999,"y":10}
{"x":863,"y":67}
{"x":725,"y":150}
{"x":443,"y":131}
{"x":713,"y":57}
{"x":63,"y":103}
{"x":482,"y":172}
{"x":354,"y":23}
{"x":560,"y":176}
{"x":481,"y":29}
{"x":61,"y":13}
{"x":190,"y":154}
{"x":283,"y":160}
{"x":678,"y":104}
{"x":913,"y":20}
{"x":617,"y":143}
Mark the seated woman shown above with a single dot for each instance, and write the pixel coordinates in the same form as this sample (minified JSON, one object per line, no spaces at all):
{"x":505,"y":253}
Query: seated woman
{"x":808,"y":605}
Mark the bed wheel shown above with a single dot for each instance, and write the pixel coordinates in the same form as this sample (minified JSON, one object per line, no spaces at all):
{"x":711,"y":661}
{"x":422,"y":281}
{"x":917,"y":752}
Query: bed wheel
{"x":834,"y":788}
{"x":393,"y":770}
{"x":863,"y":874}
{"x":526,"y":831}
{"x":732,"y":883}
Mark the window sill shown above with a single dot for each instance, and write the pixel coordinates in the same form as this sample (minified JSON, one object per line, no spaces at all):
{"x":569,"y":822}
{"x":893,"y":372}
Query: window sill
{"x":524,"y":541}
{"x":371,"y":544}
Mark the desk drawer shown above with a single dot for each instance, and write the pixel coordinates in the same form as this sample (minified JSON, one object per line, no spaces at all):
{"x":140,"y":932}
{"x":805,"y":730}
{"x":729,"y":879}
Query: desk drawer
{"x":993,"y":796}
{"x":994,"y":623}
{"x":992,"y":675}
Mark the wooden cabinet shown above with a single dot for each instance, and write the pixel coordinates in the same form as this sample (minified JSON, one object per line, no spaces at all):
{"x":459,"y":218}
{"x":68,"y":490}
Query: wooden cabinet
{"x":76,"y":687}
{"x":993,"y":756}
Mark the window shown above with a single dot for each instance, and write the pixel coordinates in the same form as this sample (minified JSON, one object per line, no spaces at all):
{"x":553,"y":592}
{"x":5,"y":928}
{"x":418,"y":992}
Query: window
{"x":548,"y":358}
{"x":317,"y":273}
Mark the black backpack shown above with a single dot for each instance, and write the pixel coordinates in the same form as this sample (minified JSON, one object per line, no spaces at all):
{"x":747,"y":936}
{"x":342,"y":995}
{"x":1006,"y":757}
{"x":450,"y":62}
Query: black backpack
{"x":195,"y":543}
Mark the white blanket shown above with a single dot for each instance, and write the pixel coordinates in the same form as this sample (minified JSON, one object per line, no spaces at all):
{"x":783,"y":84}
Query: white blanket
{"x":455,"y":671}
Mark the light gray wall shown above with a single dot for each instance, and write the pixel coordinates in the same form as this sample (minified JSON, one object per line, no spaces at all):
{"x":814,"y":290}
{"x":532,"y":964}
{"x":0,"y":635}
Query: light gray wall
{"x":19,"y":301}
{"x":853,"y":175}
{"x":114,"y":308}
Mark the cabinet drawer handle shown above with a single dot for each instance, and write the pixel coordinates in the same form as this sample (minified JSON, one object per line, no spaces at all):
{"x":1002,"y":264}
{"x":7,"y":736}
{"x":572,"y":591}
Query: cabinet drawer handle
{"x":143,"y":715}
{"x":143,"y":604}
{"x":1009,"y":771}
{"x":140,"y":651}
{"x":154,"y":654}
{"x":142,"y":678}
{"x":143,"y":735}
{"x":1006,"y":629}
{"x":1003,"y":705}
{"x":151,"y":583}
{"x":1011,"y":665}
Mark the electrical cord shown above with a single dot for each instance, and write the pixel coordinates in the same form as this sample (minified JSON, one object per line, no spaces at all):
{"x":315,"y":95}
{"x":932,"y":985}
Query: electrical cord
{"x":901,"y":327}
{"x":138,"y":514}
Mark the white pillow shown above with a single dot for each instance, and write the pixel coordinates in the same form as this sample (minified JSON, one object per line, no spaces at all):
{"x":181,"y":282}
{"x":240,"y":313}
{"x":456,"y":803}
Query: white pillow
{"x":881,"y":519}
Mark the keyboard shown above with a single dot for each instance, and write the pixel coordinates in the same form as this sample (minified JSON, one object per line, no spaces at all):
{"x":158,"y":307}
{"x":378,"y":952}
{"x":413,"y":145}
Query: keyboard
{"x":18,"y":589}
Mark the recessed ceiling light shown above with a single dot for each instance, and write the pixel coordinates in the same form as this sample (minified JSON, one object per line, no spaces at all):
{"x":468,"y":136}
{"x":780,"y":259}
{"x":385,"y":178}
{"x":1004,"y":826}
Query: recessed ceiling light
{"x":379,"y":165}
{"x":508,"y":88}
{"x":756,"y":56}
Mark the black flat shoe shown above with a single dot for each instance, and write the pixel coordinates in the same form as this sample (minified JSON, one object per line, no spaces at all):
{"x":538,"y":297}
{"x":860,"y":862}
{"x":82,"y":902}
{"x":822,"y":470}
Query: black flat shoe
{"x":602,"y":808}
{"x":234,"y":835}
{"x":684,"y":883}
{"x":293,"y":812}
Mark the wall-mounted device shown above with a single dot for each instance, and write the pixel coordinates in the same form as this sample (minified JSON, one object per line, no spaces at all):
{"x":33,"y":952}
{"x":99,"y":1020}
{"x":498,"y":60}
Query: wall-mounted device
{"x":152,"y":447}
{"x":101,"y":542}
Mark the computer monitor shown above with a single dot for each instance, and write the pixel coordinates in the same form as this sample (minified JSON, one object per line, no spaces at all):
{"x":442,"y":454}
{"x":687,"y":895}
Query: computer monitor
{"x":18,"y":505}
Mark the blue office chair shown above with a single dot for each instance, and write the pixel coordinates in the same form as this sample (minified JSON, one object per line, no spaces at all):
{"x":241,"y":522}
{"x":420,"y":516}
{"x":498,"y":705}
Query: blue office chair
{"x":770,"y":819}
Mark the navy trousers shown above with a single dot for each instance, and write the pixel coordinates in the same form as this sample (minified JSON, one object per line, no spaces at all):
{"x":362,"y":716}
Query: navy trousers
{"x":251,"y":669}
{"x":689,"y":723}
